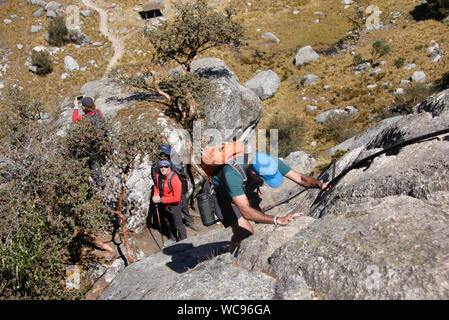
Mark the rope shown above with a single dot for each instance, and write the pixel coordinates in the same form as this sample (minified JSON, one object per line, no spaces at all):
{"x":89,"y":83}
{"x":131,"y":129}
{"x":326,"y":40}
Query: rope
{"x":367,"y":160}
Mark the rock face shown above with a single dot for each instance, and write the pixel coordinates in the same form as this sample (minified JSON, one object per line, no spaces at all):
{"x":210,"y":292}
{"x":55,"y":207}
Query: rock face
{"x":379,"y":233}
{"x":237,"y":109}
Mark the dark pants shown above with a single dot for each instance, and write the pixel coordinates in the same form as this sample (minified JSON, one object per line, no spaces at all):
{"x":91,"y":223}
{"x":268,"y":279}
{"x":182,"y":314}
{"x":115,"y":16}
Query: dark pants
{"x":188,"y":219}
{"x":95,"y":163}
{"x":172,"y":217}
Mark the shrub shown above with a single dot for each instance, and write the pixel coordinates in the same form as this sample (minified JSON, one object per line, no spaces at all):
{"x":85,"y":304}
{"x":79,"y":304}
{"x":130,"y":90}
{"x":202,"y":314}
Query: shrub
{"x":358,"y":59}
{"x":291,"y":132}
{"x":42,"y":61}
{"x":338,"y":128}
{"x":412,"y":96}
{"x":57,"y":32}
{"x":399,"y":62}
{"x":379,"y":49}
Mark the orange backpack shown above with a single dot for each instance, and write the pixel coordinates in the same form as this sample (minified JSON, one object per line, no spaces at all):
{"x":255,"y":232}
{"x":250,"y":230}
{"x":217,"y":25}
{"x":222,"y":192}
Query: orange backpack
{"x":222,"y":154}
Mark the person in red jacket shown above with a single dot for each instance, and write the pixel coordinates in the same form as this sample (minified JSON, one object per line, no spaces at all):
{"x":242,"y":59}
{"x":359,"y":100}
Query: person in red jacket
{"x":167,"y":194}
{"x":95,"y":115}
{"x":89,"y":109}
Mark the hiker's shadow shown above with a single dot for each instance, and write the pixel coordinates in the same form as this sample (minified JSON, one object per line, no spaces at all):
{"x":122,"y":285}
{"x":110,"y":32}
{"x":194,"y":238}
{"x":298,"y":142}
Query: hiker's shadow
{"x":185,"y":256}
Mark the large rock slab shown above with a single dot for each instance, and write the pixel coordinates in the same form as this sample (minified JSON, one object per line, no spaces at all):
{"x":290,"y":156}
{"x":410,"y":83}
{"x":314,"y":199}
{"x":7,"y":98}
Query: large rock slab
{"x":237,"y":109}
{"x":151,"y":277}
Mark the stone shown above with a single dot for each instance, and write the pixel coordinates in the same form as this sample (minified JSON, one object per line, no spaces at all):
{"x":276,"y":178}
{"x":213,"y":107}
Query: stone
{"x":270,"y":36}
{"x":35,"y":28}
{"x":52,"y":6}
{"x":265,"y":84}
{"x":305,"y":55}
{"x":70,"y":64}
{"x":309,"y":79}
{"x":330,"y":114}
{"x":418,"y":76}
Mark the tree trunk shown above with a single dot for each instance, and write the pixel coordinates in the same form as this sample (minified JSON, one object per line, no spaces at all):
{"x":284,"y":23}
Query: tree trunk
{"x":123,"y":223}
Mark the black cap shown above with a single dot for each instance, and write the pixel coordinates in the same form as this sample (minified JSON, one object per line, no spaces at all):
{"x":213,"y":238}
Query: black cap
{"x":88,"y":102}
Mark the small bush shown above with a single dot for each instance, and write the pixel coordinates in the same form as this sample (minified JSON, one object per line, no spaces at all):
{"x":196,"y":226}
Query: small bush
{"x":379,"y":49}
{"x":412,"y":96}
{"x":57,"y":32}
{"x":338,"y":128}
{"x":399,"y":62}
{"x":291,"y":132}
{"x":358,"y":59}
{"x":42,"y":61}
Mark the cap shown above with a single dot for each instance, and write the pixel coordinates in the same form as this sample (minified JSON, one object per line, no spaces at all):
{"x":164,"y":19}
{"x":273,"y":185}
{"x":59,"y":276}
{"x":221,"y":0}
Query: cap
{"x":266,"y":167}
{"x":88,"y":102}
{"x":164,"y":163}
{"x":165,"y":148}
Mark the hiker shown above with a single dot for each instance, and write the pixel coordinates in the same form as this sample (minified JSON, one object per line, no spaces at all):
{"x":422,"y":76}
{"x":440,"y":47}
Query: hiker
{"x":166,"y":152}
{"x":239,"y":201}
{"x":167,"y":196}
{"x":94,"y":115}
{"x":88,"y":107}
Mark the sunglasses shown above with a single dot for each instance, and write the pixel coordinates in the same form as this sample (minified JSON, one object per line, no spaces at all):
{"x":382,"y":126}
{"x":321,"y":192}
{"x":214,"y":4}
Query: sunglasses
{"x":165,"y":167}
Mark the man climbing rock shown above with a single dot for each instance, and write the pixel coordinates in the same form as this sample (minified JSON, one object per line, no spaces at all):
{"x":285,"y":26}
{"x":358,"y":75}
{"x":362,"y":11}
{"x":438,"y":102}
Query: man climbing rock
{"x":239,"y":201}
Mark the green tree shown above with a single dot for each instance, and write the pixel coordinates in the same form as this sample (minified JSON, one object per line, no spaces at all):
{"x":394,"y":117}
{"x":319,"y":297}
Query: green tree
{"x":379,"y":49}
{"x":195,"y":29}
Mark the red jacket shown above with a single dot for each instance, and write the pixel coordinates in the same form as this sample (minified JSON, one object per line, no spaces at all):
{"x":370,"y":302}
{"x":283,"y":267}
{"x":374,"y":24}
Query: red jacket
{"x":76,"y":117}
{"x":169,"y":196}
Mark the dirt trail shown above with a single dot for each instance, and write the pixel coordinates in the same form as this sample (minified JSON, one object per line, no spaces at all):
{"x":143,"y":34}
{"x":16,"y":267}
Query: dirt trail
{"x":116,"y":43}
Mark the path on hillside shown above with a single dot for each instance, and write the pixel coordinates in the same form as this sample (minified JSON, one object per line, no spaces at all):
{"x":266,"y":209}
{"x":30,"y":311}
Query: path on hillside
{"x":116,"y":43}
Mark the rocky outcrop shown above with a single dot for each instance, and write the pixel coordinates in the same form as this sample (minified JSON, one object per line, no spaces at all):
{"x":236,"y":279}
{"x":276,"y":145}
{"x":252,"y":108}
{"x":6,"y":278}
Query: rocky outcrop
{"x":379,"y":233}
{"x":237,"y":109}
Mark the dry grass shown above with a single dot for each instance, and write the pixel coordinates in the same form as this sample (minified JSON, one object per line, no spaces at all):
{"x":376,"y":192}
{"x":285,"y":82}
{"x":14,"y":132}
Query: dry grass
{"x":407,"y":38}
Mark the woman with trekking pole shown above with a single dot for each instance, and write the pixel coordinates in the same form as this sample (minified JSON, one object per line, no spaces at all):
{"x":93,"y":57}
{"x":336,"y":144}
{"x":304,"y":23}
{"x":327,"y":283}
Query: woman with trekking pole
{"x":167,"y":197}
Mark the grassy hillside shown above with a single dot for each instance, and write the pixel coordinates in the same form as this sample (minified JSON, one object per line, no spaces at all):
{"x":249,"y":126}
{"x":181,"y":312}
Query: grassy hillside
{"x":297,"y":23}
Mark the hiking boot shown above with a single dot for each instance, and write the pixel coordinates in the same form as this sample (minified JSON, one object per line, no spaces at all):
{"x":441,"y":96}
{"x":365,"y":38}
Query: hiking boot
{"x":194,"y":227}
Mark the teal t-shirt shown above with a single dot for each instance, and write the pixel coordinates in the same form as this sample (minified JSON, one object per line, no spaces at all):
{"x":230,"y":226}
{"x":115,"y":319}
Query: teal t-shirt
{"x":234,"y":182}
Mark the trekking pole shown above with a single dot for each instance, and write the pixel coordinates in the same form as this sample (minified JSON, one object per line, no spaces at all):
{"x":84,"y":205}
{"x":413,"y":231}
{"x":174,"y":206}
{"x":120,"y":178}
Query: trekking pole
{"x":159,"y":222}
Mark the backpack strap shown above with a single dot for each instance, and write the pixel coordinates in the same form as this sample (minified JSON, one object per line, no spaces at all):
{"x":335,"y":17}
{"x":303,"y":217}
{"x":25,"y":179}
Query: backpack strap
{"x":238,"y":168}
{"x":170,"y":177}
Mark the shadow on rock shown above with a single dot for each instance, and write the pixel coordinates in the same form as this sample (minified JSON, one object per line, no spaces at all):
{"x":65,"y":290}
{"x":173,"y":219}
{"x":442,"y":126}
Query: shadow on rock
{"x":186,"y":256}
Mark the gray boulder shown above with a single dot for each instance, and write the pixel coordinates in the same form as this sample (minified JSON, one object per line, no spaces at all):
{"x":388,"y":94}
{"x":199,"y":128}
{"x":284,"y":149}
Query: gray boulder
{"x":305,"y":55}
{"x":70,"y":64}
{"x":52,"y":6}
{"x":78,"y":37}
{"x":38,"y":12}
{"x":35,"y":29}
{"x":237,"y":110}
{"x":41,"y":3}
{"x":330,"y":114}
{"x":270,"y":36}
{"x":309,"y":79}
{"x":265,"y":84}
{"x":418,"y":76}
{"x":86,"y":13}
